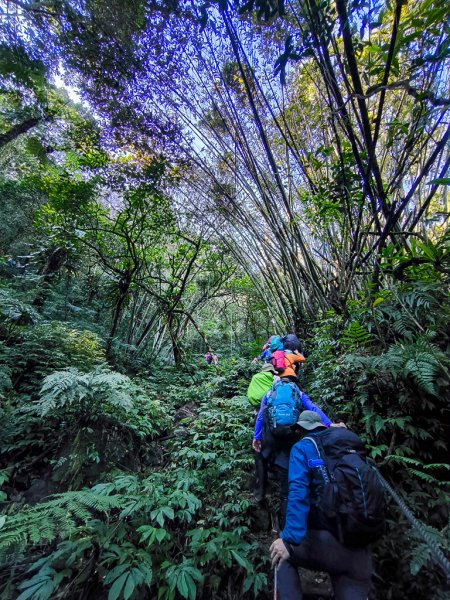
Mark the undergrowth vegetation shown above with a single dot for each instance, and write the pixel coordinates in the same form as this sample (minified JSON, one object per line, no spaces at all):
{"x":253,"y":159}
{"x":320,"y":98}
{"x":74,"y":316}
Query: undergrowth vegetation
{"x":139,"y":485}
{"x":385,"y":370}
{"x":180,"y":529}
{"x":122,"y":488}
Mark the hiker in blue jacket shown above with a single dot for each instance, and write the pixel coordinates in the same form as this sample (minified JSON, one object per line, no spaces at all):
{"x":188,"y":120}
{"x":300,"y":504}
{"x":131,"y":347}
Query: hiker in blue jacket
{"x":307,"y":403}
{"x":267,"y":352}
{"x":276,"y":451}
{"x":304,"y":542}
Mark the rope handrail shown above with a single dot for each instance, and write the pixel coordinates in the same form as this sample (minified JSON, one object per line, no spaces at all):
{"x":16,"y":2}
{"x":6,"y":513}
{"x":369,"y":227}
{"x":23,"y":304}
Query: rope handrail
{"x":435,"y":551}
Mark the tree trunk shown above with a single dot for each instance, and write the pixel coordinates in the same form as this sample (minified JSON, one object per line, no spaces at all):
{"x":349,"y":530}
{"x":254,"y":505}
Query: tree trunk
{"x":124,"y":287}
{"x":22,"y":128}
{"x":177,"y":356}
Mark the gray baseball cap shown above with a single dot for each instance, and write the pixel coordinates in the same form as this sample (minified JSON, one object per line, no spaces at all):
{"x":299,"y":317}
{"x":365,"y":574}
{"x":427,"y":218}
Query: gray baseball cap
{"x":309,"y":419}
{"x":269,"y":368}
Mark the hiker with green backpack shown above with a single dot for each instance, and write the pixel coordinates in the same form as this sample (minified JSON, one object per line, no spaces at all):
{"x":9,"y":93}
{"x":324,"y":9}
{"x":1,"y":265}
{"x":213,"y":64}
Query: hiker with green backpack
{"x":260,"y":384}
{"x":335,"y":510}
{"x":273,"y":437}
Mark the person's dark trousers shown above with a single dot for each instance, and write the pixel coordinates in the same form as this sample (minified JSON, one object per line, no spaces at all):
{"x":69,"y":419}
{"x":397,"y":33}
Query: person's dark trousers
{"x":284,"y":489}
{"x":261,"y":476}
{"x":350,"y":569}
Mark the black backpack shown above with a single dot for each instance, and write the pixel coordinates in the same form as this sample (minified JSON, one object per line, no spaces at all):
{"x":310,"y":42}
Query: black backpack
{"x":347,"y":496}
{"x":291,"y":342}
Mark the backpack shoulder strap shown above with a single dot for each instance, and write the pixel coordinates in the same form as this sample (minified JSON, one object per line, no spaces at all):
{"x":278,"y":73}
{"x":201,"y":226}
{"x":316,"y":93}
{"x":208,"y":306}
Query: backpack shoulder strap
{"x":323,"y":463}
{"x":315,"y":444}
{"x":288,"y":360}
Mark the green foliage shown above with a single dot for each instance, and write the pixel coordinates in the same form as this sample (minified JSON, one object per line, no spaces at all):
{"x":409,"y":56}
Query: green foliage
{"x":42,"y":585}
{"x":127,"y":576}
{"x":21,"y":199}
{"x":14,"y":311}
{"x":420,"y":361}
{"x":21,"y":72}
{"x":71,"y":391}
{"x":356,"y":336}
{"x":184,"y":577}
{"x":236,"y":375}
{"x":137,"y":526}
{"x":47,"y":347}
{"x":427,"y":260}
{"x":388,"y":377}
{"x":5,"y":371}
{"x":60,"y":516}
{"x":421,"y":555}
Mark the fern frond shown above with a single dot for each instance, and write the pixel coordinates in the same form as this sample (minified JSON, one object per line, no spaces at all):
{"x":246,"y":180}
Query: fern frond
{"x":60,"y":388}
{"x":71,"y":388}
{"x":59,"y":516}
{"x":356,"y":335}
{"x":426,"y":477}
{"x":13,"y":309}
{"x":405,"y":325}
{"x":404,"y":460}
{"x":109,"y":379}
{"x":423,"y":368}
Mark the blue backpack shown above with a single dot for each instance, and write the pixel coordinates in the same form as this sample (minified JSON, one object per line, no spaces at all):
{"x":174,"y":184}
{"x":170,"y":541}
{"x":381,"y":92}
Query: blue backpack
{"x":275,"y":343}
{"x":283,"y":406}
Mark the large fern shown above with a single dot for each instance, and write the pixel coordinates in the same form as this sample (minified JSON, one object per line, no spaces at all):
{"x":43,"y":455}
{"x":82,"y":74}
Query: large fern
{"x":14,"y":310}
{"x":412,"y":310}
{"x":58,"y":517}
{"x":71,"y":388}
{"x":356,"y":336}
{"x":419,"y":360}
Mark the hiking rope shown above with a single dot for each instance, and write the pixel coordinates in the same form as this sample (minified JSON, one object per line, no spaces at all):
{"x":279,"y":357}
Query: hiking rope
{"x":436,"y":552}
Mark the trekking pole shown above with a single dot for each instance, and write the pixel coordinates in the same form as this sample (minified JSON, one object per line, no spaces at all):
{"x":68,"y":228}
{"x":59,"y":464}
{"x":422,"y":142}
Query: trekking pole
{"x":275,"y":583}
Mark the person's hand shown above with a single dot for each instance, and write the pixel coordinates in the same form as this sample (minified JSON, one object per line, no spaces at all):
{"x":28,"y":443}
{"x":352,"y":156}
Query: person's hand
{"x":256,"y":445}
{"x":278,"y":553}
{"x":255,"y":360}
{"x":340,"y":424}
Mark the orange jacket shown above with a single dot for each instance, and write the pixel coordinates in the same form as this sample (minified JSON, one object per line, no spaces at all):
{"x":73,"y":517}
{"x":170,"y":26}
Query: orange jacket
{"x":291,"y":359}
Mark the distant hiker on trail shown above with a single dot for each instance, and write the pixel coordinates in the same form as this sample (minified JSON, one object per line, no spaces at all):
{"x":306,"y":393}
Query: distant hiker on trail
{"x":266,"y":353}
{"x":273,"y":436}
{"x":212,"y":359}
{"x":335,"y":510}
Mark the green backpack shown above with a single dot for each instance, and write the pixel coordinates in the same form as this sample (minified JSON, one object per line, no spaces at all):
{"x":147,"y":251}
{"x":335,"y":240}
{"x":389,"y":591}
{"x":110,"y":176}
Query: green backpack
{"x":260,"y":384}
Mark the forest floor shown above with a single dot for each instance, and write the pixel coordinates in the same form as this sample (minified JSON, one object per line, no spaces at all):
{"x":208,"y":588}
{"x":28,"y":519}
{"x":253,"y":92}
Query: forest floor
{"x":192,"y":473}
